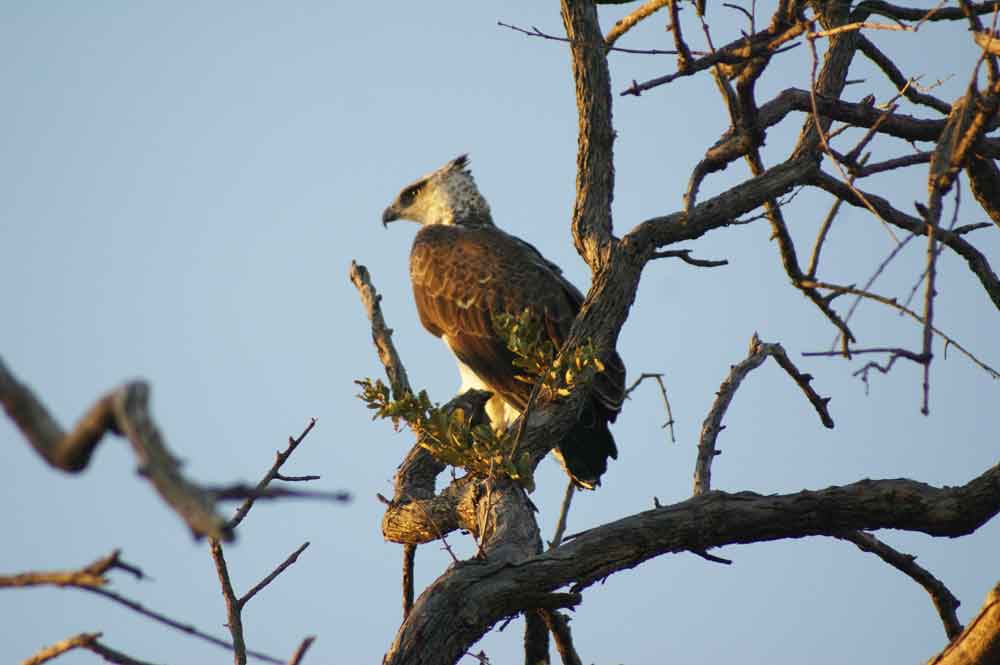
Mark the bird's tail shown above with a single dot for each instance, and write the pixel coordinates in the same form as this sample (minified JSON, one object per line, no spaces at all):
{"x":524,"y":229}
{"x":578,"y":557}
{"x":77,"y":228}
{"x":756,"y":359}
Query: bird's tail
{"x":585,"y":451}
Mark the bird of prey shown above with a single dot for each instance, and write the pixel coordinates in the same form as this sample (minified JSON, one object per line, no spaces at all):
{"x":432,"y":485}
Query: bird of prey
{"x":464,"y":272}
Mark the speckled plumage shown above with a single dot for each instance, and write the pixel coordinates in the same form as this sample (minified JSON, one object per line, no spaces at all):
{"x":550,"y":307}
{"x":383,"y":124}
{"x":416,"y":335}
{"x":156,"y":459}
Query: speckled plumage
{"x":464,"y":270}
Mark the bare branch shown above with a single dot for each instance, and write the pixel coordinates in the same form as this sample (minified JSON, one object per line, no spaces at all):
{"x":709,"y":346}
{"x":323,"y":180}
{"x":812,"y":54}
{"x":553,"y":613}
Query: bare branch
{"x":489,"y":590}
{"x":977,"y":262}
{"x":663,"y":393}
{"x":535,"y":32}
{"x":300,"y":653}
{"x":979,"y":643}
{"x":710,"y":428}
{"x":685,"y":256}
{"x":185,"y":628}
{"x":558,"y":625}
{"x":626,"y":23}
{"x":91,"y":575}
{"x":563,"y":514}
{"x":248,"y":492}
{"x":944,"y":601}
{"x":381,"y":333}
{"x":61,"y":647}
{"x":292,"y":558}
{"x":280,"y":458}
{"x":409,"y":561}
{"x":124,"y":411}
{"x":891,"y":302}
{"x":235,"y":621}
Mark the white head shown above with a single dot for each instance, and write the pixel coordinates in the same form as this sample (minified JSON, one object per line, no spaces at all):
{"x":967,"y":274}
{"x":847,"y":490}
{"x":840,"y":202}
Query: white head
{"x":446,"y":196}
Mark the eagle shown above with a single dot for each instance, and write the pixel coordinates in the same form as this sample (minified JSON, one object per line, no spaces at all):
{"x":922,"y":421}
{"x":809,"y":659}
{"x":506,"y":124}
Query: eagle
{"x":466,"y":271}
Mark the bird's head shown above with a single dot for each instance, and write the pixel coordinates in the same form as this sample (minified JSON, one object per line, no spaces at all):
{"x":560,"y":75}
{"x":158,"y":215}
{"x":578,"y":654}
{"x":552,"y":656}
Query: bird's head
{"x":446,"y":196}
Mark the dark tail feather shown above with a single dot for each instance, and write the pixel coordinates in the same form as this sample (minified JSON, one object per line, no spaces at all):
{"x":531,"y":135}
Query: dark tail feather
{"x":585,"y":451}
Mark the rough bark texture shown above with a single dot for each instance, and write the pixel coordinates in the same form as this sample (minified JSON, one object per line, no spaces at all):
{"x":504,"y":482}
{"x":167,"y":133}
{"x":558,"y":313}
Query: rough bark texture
{"x":511,"y":574}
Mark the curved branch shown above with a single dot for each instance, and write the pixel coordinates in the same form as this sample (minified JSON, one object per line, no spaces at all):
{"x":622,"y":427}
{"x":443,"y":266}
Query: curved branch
{"x":943,"y":599}
{"x":123,"y":411}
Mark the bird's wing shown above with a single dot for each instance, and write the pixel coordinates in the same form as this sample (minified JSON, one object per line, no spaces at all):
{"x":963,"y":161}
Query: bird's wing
{"x":462,"y":277}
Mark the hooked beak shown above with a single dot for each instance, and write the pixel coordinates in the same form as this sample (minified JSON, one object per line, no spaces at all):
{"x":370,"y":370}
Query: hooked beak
{"x":390,"y":215}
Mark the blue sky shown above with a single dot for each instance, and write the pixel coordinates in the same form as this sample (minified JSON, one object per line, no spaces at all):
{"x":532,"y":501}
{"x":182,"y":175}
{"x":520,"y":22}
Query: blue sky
{"x":184,"y":187}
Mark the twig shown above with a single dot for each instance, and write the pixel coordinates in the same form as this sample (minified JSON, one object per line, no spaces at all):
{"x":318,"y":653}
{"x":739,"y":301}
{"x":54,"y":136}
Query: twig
{"x":292,"y":558}
{"x":683,"y":52}
{"x":563,"y":515}
{"x":735,"y":53}
{"x":61,"y":647}
{"x":896,"y":250}
{"x":711,"y":557}
{"x":91,"y":575}
{"x":280,"y":458}
{"x":891,"y":302}
{"x":235,"y":621}
{"x":440,"y":535}
{"x":860,"y":25}
{"x":252,"y":493}
{"x":296,"y":479}
{"x":663,"y":393}
{"x":91,"y":578}
{"x":951,"y":227}
{"x":301,"y":651}
{"x":626,"y":23}
{"x":535,"y":32}
{"x":943,"y":599}
{"x":112,"y":655}
{"x":821,"y":134}
{"x":124,"y":411}
{"x":185,"y":628}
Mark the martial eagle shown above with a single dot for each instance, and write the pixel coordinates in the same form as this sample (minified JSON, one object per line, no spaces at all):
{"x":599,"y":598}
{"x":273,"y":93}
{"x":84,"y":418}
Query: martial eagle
{"x":465,"y":271}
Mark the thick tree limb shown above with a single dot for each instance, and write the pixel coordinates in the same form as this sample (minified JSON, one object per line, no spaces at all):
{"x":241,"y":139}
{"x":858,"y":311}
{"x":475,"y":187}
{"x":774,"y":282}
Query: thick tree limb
{"x":464,"y":602}
{"x":124,"y":411}
{"x":595,"y":177}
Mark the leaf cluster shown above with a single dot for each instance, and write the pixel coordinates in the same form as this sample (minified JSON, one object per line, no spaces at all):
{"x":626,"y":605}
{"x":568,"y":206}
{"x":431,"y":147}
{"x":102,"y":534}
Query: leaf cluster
{"x":537,"y":356}
{"x":454,"y":435}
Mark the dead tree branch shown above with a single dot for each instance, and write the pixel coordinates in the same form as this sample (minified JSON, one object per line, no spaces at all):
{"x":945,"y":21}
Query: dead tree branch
{"x":979,"y":643}
{"x":123,"y":411}
{"x":758,"y":353}
{"x":943,"y":599}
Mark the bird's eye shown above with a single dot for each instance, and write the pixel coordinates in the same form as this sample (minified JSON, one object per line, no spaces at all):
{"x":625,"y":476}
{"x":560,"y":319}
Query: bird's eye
{"x":410,"y":193}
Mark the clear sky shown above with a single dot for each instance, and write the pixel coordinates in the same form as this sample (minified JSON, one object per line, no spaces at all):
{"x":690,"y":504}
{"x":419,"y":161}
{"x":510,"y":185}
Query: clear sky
{"x":183,"y":188}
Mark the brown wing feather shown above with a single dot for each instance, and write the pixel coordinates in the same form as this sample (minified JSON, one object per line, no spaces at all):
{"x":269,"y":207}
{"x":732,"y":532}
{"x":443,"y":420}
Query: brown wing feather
{"x":462,"y":275}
